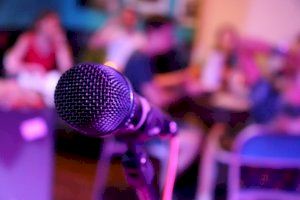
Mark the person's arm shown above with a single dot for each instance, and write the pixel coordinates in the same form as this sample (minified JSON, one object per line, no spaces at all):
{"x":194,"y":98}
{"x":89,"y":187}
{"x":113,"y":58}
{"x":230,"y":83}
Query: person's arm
{"x":96,"y":40}
{"x":256,"y":46}
{"x":156,"y":95}
{"x":171,"y":79}
{"x":248,"y":50}
{"x":102,"y":35}
{"x":13,"y":59}
{"x":63,"y":53}
{"x":212,"y":72}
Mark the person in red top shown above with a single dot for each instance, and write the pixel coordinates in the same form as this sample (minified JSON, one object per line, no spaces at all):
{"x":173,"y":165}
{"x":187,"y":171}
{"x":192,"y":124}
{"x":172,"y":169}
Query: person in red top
{"x":41,"y":49}
{"x":34,"y":65}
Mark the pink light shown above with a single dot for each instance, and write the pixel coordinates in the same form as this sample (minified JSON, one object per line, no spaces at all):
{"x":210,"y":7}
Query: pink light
{"x":33,"y":129}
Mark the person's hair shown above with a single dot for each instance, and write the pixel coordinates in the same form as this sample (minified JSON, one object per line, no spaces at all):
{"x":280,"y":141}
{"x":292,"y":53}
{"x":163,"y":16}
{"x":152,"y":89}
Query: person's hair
{"x":130,"y":9}
{"x":42,"y":16}
{"x":228,"y":28}
{"x":298,"y":38}
{"x":158,"y":21}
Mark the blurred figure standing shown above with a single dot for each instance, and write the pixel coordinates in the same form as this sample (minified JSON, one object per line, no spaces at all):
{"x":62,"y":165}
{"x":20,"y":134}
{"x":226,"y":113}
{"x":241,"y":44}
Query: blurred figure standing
{"x":120,"y":38}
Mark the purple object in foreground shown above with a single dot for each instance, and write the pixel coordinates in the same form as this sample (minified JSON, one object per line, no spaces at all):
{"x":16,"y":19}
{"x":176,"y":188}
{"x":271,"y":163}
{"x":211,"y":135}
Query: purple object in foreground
{"x":26,"y":167}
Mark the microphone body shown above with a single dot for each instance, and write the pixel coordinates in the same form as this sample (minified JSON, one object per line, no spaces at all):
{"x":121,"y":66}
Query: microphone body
{"x":99,"y":101}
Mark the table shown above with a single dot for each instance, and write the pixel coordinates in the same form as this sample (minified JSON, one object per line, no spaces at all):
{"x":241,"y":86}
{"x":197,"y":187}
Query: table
{"x":217,"y":112}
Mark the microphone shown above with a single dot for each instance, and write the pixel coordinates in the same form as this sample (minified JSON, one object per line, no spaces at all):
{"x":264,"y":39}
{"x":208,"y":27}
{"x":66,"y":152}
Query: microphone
{"x":98,"y":101}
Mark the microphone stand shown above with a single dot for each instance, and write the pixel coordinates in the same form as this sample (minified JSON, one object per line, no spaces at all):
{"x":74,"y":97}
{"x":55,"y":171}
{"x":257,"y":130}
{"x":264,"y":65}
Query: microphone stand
{"x":139,"y":171}
{"x":137,"y":166}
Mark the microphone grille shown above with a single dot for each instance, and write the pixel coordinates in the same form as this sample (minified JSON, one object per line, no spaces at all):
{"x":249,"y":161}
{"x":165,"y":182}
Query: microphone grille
{"x":93,"y":98}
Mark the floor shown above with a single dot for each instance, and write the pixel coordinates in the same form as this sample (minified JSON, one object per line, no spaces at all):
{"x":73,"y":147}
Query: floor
{"x":73,"y":177}
{"x":75,"y":170}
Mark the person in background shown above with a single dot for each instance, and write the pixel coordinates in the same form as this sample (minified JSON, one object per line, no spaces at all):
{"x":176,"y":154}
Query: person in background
{"x":160,"y":64}
{"x":4,"y":41}
{"x":221,"y":60}
{"x":275,"y":97}
{"x":233,"y":63}
{"x":120,"y":38}
{"x":41,"y":49}
{"x":292,"y":63}
{"x":288,"y":84}
{"x":168,"y":58}
{"x":36,"y":61}
{"x":152,"y":71}
{"x":166,"y":53}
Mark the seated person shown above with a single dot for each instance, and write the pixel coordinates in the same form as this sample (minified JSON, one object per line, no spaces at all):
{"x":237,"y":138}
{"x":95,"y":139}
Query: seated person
{"x":39,"y":56}
{"x":168,"y":61}
{"x":41,"y":49}
{"x":221,"y":84}
{"x":150,"y":71}
{"x":292,"y":61}
{"x":4,"y":42}
{"x":278,"y":94}
{"x":119,"y":38}
{"x":232,"y":65}
{"x":288,"y":85}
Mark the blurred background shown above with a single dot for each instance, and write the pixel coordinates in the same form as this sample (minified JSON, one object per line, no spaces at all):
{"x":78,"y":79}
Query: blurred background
{"x":227,"y":71}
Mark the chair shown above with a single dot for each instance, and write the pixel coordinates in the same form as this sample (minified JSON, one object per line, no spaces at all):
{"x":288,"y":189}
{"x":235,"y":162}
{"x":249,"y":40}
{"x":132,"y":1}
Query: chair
{"x":262,"y":148}
{"x":256,"y":146}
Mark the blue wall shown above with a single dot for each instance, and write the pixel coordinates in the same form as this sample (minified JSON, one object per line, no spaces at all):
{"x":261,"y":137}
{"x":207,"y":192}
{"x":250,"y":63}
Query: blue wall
{"x":19,"y":14}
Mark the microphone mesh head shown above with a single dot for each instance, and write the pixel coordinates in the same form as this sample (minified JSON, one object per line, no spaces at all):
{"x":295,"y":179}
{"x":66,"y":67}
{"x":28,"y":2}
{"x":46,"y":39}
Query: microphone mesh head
{"x":94,"y":99}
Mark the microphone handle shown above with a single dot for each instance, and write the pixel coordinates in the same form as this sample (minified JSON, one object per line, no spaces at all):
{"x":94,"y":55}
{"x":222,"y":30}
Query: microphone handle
{"x":158,"y":123}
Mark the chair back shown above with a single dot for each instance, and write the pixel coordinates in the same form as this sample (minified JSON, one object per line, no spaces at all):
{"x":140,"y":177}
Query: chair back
{"x":266,"y":165}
